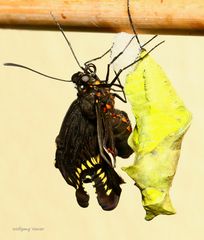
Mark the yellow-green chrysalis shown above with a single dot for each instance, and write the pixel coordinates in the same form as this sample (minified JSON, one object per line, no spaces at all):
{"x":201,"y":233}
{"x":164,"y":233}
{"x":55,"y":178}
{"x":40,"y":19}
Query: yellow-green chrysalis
{"x":161,"y":122}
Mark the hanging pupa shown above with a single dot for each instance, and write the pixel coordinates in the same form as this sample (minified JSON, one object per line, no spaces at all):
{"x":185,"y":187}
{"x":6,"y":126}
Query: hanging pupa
{"x":161,"y":122}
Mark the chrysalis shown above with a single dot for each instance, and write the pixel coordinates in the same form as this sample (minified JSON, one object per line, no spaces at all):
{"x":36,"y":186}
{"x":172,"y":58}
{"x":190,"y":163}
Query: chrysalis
{"x":161,"y":122}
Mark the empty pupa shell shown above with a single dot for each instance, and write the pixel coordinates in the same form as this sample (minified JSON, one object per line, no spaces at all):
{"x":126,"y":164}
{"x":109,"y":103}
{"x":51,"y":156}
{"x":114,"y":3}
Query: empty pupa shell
{"x":161,"y":122}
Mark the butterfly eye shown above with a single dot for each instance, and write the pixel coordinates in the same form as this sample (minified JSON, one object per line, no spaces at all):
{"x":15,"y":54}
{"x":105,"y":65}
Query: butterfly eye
{"x":85,"y":78}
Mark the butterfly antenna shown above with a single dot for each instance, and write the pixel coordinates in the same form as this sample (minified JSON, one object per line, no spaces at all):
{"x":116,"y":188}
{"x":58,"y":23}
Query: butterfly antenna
{"x":134,"y":29}
{"x":32,"y":70}
{"x":149,"y":40}
{"x":131,"y":23}
{"x":68,"y":42}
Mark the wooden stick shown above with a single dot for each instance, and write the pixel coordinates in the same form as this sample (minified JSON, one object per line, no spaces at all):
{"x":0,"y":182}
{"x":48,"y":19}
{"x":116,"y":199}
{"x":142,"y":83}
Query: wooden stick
{"x":185,"y":17}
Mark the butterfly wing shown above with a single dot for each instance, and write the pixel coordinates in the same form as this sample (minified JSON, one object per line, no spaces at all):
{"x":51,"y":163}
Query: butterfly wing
{"x":79,"y":160}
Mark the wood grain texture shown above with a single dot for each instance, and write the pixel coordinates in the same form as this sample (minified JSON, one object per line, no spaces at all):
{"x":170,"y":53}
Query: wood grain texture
{"x":185,"y":17}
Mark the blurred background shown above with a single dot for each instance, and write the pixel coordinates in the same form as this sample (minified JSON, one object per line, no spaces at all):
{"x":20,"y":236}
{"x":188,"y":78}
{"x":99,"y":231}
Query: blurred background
{"x":34,"y":194}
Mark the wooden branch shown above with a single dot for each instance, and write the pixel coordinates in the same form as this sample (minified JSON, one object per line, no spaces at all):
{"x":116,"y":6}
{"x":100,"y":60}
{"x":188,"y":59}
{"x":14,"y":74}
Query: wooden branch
{"x":185,"y":17}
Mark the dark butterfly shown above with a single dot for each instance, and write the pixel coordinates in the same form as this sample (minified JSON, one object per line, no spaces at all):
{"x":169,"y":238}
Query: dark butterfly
{"x":93,"y":133}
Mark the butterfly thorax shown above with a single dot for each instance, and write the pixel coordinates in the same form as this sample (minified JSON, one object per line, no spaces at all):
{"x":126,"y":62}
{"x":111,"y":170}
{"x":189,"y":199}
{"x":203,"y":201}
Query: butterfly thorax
{"x":91,"y":91}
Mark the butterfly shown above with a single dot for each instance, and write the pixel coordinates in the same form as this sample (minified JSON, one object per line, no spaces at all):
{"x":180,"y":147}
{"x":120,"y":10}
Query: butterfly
{"x":92,"y":134}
